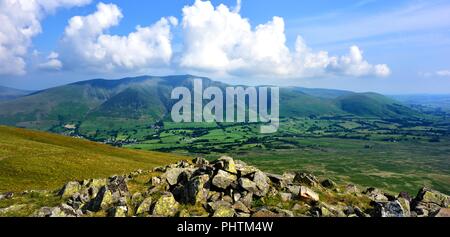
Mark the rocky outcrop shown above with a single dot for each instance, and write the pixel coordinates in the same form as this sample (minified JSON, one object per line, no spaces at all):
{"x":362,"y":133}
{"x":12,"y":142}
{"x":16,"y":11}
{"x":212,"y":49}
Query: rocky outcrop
{"x":231,"y":188}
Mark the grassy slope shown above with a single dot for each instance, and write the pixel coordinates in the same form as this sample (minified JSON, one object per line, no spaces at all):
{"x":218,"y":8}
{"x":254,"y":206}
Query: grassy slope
{"x":37,"y":160}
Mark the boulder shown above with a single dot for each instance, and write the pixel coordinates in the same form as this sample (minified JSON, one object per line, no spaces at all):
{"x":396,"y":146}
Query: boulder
{"x":172,"y":175}
{"x":443,"y":212}
{"x":427,"y":195}
{"x":119,"y":211}
{"x":8,"y":195}
{"x":223,"y":179}
{"x":240,"y":207}
{"x":103,"y":200}
{"x":197,"y":189}
{"x":247,"y":199}
{"x":199,"y":161}
{"x":428,"y":202}
{"x":70,"y":189}
{"x":406,"y":206}
{"x":224,"y":212}
{"x":376,"y":195}
{"x":144,"y":207}
{"x":215,"y":205}
{"x":264,"y":213}
{"x":295,"y":190}
{"x":245,"y":170}
{"x":306,"y":179}
{"x":118,"y":186}
{"x":388,"y":209}
{"x":262,"y":183}
{"x":308,"y":195}
{"x":282,"y":212}
{"x":155,"y":181}
{"x":248,"y":185}
{"x":228,"y":164}
{"x":166,"y":206}
{"x":59,"y":211}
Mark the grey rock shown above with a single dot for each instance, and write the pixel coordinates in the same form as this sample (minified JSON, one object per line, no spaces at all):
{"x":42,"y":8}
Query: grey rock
{"x":223,"y":179}
{"x":306,"y":179}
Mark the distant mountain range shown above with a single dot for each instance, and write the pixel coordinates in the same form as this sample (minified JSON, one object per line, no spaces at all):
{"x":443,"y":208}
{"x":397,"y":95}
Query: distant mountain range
{"x":106,"y":104}
{"x":7,"y":93}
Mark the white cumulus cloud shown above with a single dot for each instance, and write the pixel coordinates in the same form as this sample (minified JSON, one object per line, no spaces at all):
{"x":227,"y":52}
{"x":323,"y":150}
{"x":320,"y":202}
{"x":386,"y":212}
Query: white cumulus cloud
{"x":19,"y":23}
{"x":220,"y":40}
{"x":53,"y":62}
{"x":85,"y":42}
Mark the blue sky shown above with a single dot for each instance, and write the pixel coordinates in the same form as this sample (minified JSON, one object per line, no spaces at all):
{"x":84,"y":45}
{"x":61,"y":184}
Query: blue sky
{"x":393,"y":47}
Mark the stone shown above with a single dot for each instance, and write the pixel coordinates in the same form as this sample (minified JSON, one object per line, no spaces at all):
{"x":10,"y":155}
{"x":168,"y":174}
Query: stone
{"x":228,"y":164}
{"x":264,"y":213}
{"x":427,"y":195}
{"x":197,"y":189}
{"x":328,"y":183}
{"x":236,"y":197}
{"x":443,"y":212}
{"x":247,"y":199}
{"x":289,"y":177}
{"x":199,"y":161}
{"x":103,"y":200}
{"x":155,"y":181}
{"x":243,"y":215}
{"x":262,"y":183}
{"x":360,"y":213}
{"x":306,"y":194}
{"x":240,"y":207}
{"x":59,"y":211}
{"x":388,"y":209}
{"x":8,"y":195}
{"x":96,"y":183}
{"x":166,"y":206}
{"x":224,"y":212}
{"x":184,"y":213}
{"x":248,"y":185}
{"x":145,"y":206}
{"x":118,"y":186}
{"x":295,"y":190}
{"x":214,"y":196}
{"x":406,"y":206}
{"x":70,"y":189}
{"x":286,"y":197}
{"x":183,"y":164}
{"x":119,"y":211}
{"x":282,"y":212}
{"x":376,"y":195}
{"x":223,"y":179}
{"x":213,"y":206}
{"x":245,"y":170}
{"x":306,"y":179}
{"x":172,"y":175}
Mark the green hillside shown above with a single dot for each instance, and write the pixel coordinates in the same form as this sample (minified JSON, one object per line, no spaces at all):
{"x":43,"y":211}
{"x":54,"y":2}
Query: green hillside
{"x":38,"y":160}
{"x":104,"y":110}
{"x":7,"y":93}
{"x":374,"y":105}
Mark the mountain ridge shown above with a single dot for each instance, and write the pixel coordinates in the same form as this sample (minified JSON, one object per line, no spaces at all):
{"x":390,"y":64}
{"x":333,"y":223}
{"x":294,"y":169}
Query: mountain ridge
{"x":131,"y":101}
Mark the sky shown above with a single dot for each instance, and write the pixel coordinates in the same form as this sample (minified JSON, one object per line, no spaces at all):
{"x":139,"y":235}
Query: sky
{"x":391,"y":47}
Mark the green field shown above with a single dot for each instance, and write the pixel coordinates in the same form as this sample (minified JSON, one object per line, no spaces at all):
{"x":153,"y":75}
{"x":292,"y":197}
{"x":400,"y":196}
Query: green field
{"x":395,"y":155}
{"x":31,"y":160}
